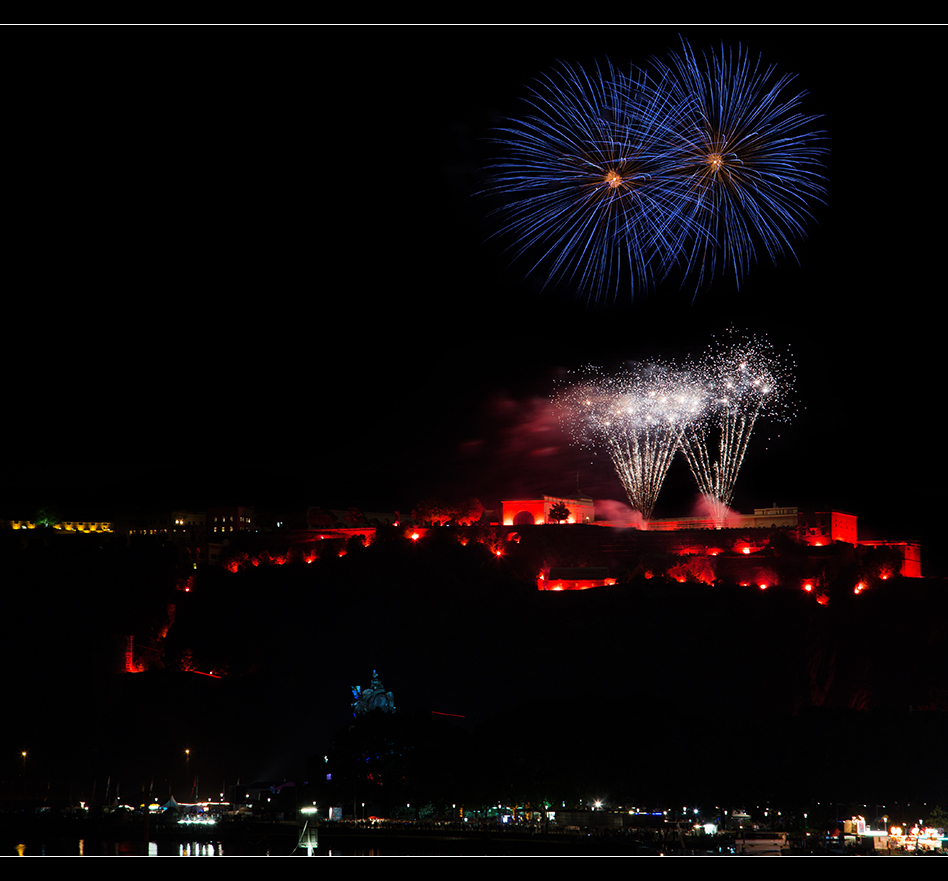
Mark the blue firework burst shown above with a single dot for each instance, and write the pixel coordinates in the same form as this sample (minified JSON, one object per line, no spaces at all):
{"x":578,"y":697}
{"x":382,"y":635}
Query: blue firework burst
{"x":613,"y":180}
{"x":753,"y":162}
{"x":589,"y":178}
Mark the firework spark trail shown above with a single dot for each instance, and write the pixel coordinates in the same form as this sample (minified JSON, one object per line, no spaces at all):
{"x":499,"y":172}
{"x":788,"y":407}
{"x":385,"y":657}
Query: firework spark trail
{"x":638,"y":416}
{"x":746,"y":380}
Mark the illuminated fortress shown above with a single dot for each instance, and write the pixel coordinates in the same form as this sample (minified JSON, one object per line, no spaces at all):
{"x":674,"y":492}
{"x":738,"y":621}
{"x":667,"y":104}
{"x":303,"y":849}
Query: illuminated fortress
{"x":574,"y":550}
{"x":741,"y":542}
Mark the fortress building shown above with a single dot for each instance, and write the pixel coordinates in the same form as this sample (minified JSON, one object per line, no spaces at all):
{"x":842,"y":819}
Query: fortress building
{"x":527,"y":512}
{"x":704,"y":535}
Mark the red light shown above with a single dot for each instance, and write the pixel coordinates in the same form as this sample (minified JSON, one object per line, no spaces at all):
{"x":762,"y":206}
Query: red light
{"x":762,"y":586}
{"x":808,"y":587}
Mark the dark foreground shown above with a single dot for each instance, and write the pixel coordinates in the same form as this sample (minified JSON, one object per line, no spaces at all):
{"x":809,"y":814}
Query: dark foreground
{"x":57,"y":836}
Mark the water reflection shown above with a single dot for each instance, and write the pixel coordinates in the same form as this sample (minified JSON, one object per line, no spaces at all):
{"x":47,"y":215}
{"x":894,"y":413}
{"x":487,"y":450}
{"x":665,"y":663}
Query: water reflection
{"x":160,"y":848}
{"x":201,"y":849}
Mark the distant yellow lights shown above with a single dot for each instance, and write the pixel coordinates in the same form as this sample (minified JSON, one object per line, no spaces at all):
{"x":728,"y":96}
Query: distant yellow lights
{"x":68,"y":525}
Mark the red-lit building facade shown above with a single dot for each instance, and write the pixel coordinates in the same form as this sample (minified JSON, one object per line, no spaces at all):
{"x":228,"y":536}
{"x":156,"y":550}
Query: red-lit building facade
{"x":574,"y":578}
{"x":818,"y":528}
{"x":909,"y":551}
{"x":527,"y":512}
{"x":815,"y":528}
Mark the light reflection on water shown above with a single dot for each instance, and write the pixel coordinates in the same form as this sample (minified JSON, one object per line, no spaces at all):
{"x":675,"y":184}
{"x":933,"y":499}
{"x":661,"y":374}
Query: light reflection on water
{"x":194,"y":849}
{"x":169,"y":847}
{"x":98,"y":847}
{"x":161,"y":848}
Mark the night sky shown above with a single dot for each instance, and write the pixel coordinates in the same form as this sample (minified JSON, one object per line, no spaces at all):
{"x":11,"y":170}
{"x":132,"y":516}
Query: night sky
{"x":252,"y":262}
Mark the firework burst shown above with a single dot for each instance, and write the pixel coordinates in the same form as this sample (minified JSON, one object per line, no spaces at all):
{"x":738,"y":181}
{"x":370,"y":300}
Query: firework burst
{"x":614,"y":180}
{"x":638,"y":416}
{"x":588,"y":180}
{"x":743,"y":379}
{"x":751,"y":158}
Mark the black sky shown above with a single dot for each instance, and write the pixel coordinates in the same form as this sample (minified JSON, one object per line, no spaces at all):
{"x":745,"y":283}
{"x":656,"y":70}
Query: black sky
{"x":234,"y":252}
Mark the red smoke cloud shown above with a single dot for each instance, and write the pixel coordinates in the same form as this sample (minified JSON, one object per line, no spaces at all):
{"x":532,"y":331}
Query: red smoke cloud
{"x":703,"y":507}
{"x":524,"y":451}
{"x":609,"y":509}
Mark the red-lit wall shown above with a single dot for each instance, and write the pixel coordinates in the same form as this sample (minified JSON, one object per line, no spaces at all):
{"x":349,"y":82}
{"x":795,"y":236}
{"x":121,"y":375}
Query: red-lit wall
{"x":572,"y":583}
{"x":514,"y":510}
{"x":524,"y":512}
{"x":819,"y":528}
{"x":911,"y":552}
